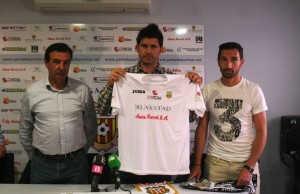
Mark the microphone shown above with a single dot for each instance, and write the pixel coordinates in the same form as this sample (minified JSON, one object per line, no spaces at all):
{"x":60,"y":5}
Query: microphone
{"x":97,"y":167}
{"x":114,"y":164}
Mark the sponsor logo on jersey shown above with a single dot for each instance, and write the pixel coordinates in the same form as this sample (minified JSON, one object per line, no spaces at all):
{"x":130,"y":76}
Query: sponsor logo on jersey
{"x":138,"y":91}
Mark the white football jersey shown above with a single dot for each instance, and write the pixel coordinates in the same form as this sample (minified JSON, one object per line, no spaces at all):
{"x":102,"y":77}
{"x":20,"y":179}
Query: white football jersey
{"x":153,"y":122}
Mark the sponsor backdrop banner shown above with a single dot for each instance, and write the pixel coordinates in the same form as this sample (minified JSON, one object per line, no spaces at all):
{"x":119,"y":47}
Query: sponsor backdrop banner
{"x":98,"y":48}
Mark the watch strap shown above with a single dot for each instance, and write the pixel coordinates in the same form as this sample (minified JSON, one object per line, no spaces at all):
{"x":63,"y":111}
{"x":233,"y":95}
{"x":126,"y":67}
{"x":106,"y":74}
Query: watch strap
{"x":249,"y":168}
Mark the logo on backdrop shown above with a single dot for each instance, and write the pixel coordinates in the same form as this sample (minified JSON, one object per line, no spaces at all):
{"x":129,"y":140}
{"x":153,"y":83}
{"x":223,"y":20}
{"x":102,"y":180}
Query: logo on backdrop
{"x":107,"y":133}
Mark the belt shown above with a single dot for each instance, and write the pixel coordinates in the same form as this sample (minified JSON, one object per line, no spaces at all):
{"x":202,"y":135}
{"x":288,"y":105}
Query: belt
{"x":57,"y":156}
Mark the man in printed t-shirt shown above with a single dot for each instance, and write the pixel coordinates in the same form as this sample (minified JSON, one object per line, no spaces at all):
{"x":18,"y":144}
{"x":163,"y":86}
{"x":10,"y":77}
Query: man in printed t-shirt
{"x":235,"y":108}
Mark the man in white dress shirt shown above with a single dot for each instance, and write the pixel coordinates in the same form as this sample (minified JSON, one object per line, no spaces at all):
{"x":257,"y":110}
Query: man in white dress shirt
{"x":58,"y":122}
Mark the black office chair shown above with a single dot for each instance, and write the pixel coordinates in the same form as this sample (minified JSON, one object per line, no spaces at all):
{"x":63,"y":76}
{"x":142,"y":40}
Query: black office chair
{"x":290,"y":150}
{"x":7,"y":172}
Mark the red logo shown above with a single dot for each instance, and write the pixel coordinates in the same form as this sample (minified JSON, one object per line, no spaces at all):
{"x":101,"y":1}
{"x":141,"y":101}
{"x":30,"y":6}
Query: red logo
{"x":97,"y":169}
{"x":76,"y":69}
{"x":154,"y":92}
{"x":6,"y":100}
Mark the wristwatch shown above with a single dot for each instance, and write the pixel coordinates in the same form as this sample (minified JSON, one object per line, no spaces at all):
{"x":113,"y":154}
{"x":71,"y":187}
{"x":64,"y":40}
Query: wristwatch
{"x":249,"y":168}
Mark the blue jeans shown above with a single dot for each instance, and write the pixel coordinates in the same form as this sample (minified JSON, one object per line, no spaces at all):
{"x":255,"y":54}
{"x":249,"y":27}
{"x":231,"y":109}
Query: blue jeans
{"x":73,"y":170}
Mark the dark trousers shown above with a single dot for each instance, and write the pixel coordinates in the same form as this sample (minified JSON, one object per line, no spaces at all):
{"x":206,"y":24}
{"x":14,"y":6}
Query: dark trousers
{"x":70,"y":170}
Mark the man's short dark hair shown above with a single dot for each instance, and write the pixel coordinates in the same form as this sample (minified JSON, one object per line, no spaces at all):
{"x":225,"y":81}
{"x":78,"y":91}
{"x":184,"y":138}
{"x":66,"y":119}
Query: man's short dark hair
{"x":231,"y":45}
{"x":150,"y":31}
{"x":58,"y":47}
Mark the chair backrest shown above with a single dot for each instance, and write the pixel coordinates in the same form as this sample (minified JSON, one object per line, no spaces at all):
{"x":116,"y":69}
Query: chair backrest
{"x":7,"y":172}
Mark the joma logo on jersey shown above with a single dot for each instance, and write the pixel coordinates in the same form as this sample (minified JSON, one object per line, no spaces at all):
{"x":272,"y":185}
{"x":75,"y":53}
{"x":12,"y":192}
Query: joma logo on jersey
{"x":138,"y":91}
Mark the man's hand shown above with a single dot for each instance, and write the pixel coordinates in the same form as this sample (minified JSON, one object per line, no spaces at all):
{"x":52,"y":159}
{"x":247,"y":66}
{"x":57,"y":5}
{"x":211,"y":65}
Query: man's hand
{"x":2,"y":151}
{"x":114,"y":76}
{"x":244,"y":178}
{"x":194,"y":77}
{"x":196,"y":173}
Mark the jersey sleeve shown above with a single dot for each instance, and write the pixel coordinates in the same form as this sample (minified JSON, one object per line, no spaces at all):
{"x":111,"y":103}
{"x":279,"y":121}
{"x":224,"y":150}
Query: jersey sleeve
{"x":195,"y":100}
{"x":115,"y":101}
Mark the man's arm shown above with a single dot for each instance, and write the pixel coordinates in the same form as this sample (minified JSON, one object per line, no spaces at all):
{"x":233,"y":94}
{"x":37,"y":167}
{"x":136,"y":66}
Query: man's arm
{"x":26,"y":126}
{"x":90,"y":121}
{"x":200,"y":141}
{"x":260,"y":124}
{"x":104,"y":98}
{"x":104,"y":101}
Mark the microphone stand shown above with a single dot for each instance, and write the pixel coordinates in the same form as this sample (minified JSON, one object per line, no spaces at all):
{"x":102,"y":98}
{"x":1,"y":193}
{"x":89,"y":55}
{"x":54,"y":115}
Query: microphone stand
{"x":117,"y":179}
{"x":94,"y":185}
{"x":95,"y":189}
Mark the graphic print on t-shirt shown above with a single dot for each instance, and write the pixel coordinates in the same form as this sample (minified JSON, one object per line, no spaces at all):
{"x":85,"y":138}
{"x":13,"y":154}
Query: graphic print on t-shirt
{"x":232,"y":106}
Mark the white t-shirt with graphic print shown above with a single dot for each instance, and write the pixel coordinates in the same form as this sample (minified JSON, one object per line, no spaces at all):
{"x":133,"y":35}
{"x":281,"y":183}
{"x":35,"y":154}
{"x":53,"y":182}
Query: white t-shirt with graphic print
{"x":231,"y":129}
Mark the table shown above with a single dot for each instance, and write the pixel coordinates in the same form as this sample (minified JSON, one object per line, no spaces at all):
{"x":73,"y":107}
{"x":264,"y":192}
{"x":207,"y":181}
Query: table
{"x":78,"y":189}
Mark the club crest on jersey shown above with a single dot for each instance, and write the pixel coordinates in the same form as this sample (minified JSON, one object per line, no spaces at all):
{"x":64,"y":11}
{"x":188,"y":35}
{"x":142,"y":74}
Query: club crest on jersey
{"x":169,"y":94}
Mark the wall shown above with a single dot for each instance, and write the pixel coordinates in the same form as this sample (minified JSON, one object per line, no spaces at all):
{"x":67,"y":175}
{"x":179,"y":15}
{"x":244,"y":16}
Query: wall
{"x":268,"y":29}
